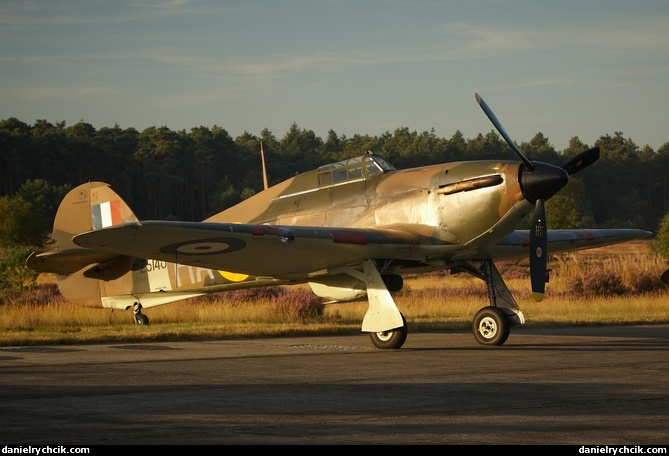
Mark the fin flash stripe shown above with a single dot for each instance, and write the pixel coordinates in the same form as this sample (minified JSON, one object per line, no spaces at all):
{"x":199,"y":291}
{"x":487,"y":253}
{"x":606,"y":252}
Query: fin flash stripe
{"x":106,"y":214}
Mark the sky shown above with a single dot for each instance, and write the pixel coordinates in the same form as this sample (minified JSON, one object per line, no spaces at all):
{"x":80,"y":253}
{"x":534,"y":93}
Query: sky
{"x":568,"y":68}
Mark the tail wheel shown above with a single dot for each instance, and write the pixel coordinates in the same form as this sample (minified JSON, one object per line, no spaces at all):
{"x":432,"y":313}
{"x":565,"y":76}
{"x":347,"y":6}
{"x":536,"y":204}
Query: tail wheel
{"x":392,"y":339}
{"x":141,"y":319}
{"x":491,"y":326}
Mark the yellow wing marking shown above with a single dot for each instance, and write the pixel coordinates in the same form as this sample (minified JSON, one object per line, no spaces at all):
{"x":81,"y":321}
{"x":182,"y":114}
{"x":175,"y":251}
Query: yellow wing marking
{"x":233,"y":276}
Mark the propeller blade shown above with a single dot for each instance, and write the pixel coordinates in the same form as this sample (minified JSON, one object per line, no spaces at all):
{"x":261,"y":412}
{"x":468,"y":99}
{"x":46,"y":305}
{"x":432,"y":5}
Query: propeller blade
{"x":491,"y":115}
{"x":583,"y":160}
{"x":538,"y":251}
{"x":538,"y":182}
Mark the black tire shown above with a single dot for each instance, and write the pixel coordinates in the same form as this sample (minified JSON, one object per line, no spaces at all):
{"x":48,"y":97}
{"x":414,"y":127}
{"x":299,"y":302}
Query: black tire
{"x":390,"y":340}
{"x":491,"y":326}
{"x":141,"y":319}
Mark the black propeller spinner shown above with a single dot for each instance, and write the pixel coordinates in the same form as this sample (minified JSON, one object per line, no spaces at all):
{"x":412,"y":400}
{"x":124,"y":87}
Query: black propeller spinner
{"x":539,"y":181}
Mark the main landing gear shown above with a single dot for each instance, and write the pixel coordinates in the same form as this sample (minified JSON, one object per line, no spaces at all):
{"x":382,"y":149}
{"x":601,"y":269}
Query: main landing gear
{"x":385,"y":324}
{"x":392,"y":339}
{"x":492,"y":324}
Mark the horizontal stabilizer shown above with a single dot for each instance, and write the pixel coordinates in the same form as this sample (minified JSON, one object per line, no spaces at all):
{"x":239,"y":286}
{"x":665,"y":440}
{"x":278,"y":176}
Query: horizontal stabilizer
{"x":68,"y":261}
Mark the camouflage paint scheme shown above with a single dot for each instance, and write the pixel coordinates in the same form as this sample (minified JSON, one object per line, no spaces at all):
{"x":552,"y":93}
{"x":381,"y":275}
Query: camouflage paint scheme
{"x":350,"y":229}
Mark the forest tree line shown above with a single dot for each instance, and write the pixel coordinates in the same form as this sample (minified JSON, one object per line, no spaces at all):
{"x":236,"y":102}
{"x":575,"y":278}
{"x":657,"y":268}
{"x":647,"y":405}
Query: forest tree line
{"x":190,"y":175}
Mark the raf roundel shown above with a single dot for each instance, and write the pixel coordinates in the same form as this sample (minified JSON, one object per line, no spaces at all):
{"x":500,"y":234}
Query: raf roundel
{"x":213,"y":246}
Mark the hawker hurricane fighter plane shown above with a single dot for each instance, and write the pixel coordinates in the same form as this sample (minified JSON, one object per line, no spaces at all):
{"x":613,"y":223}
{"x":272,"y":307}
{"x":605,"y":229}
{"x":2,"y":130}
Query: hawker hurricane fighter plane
{"x":350,"y":229}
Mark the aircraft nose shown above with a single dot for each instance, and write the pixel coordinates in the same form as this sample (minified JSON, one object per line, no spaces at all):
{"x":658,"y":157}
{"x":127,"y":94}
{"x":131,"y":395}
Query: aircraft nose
{"x":543,"y":181}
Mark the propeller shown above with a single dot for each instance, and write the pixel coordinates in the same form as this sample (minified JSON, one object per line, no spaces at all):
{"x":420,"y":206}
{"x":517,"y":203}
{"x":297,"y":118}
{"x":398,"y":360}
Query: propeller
{"x":539,"y":181}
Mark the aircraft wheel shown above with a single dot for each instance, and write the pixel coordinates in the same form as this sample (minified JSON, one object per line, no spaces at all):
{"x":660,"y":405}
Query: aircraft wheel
{"x":141,"y":319}
{"x":491,"y":326}
{"x":392,"y":339}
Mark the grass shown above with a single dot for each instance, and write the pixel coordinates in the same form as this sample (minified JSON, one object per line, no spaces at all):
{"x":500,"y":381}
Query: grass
{"x":608,"y":286}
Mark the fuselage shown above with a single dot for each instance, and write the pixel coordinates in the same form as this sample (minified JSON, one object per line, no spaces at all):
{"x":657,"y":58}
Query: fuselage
{"x":451,"y":209}
{"x":466,"y":203}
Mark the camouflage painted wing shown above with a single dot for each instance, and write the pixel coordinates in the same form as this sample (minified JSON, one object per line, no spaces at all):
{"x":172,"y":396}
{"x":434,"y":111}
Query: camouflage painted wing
{"x":298,"y":251}
{"x":517,"y":243}
{"x":258,"y":250}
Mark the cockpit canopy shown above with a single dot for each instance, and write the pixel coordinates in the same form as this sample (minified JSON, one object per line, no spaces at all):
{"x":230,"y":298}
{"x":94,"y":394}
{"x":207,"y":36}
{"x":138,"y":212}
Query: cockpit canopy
{"x":357,"y":168}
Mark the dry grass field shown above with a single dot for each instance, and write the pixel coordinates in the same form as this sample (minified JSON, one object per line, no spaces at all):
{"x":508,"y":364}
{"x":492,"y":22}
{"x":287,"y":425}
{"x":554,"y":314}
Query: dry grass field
{"x":607,"y":286}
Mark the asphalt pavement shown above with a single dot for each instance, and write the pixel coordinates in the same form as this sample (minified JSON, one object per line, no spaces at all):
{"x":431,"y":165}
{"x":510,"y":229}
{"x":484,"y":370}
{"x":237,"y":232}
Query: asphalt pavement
{"x":568,"y":386}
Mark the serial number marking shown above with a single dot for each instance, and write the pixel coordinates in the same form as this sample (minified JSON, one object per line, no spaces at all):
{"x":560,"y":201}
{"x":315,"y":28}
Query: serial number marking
{"x":153,"y":265}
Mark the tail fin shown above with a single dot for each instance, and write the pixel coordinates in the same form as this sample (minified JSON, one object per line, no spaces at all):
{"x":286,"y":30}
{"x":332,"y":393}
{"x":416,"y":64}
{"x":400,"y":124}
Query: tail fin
{"x":88,"y":207}
{"x":97,"y":279}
